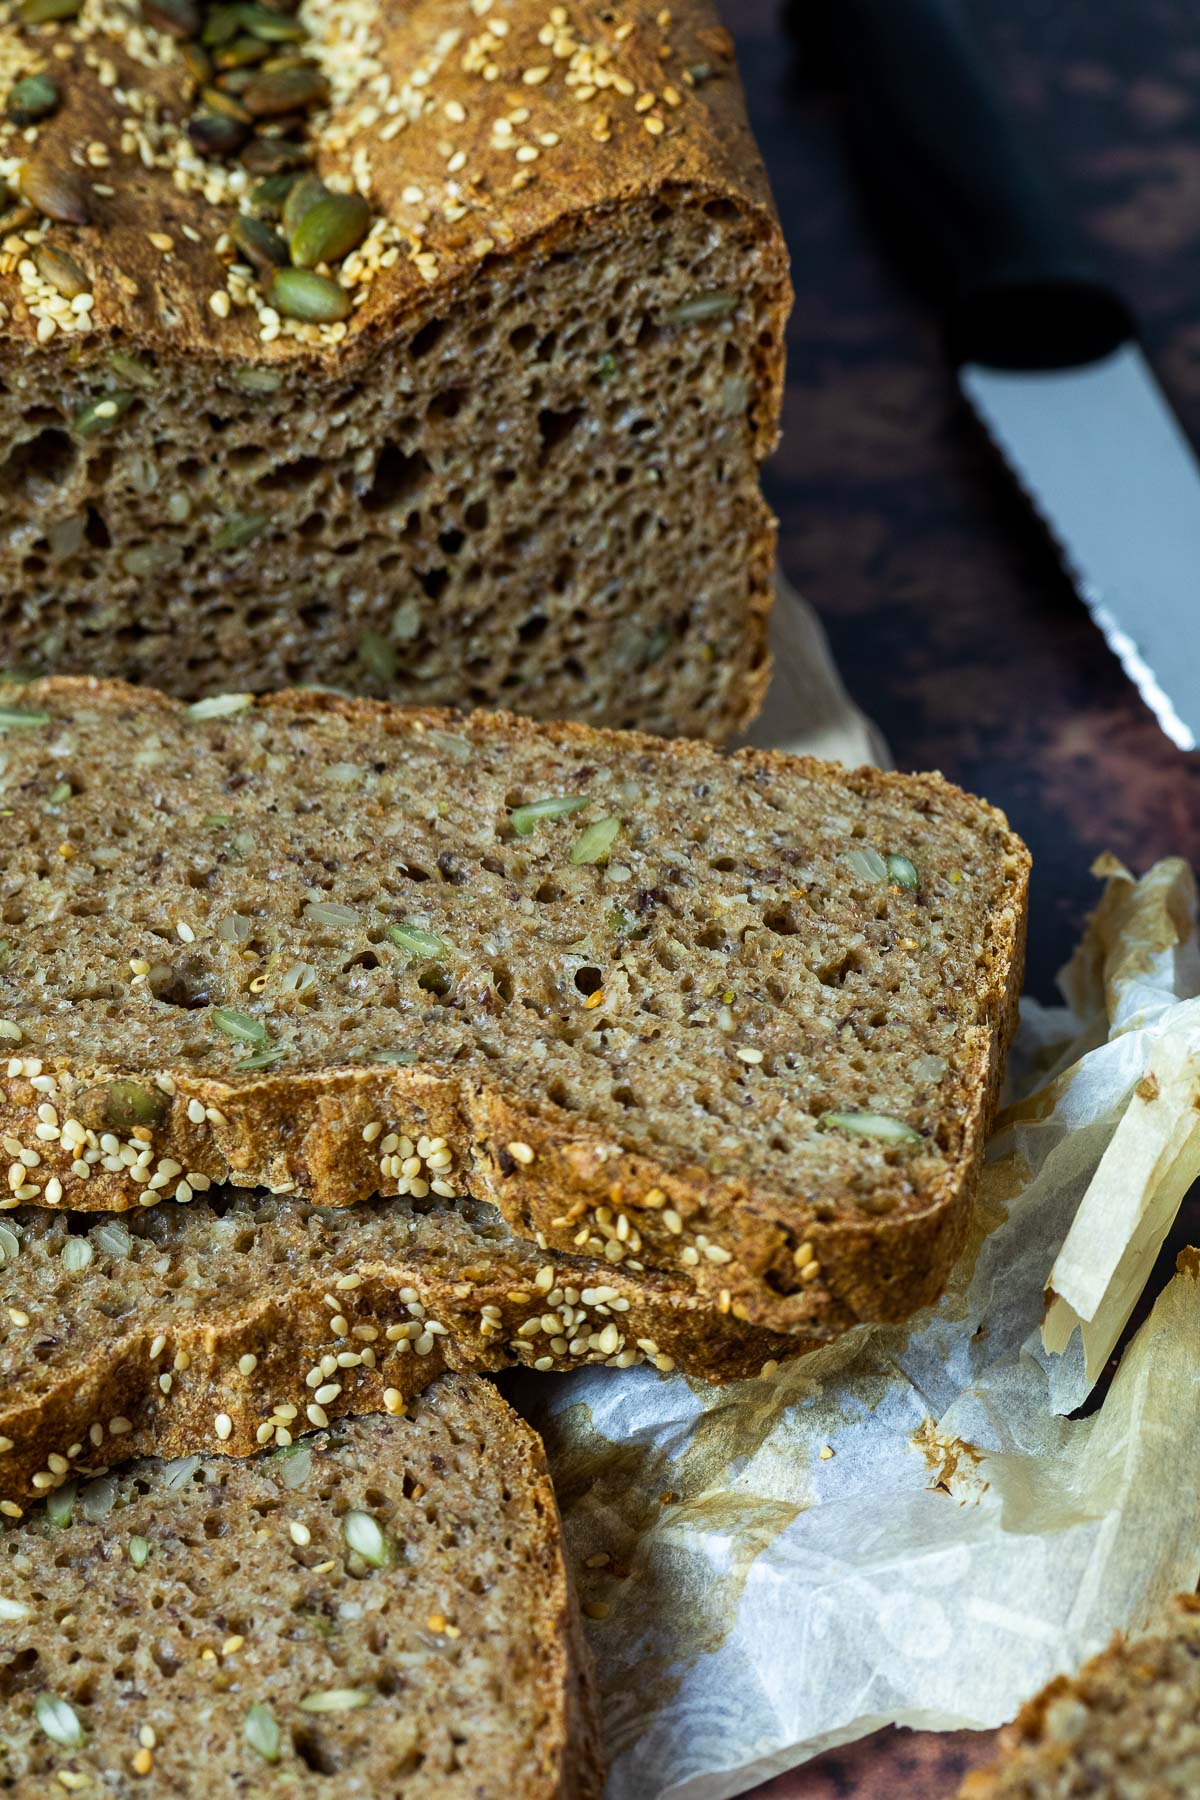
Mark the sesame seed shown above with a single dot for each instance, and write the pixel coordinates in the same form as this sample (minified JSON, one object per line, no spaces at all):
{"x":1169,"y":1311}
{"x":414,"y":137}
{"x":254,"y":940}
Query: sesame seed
{"x":247,"y":1364}
{"x":223,"y":1426}
{"x":316,"y":1415}
{"x":520,"y":1152}
{"x":300,"y":1534}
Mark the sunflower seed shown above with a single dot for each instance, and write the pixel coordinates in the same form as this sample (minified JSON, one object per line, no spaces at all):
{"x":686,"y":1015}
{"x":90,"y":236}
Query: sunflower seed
{"x":330,"y":230}
{"x":242,"y":1027}
{"x":61,"y":271}
{"x":215,"y":134}
{"x":302,"y":294}
{"x":593,"y":844}
{"x":555,"y":806}
{"x":337,"y":1700}
{"x":304,"y":194}
{"x":197,"y":62}
{"x":34,"y":98}
{"x":59,"y":1720}
{"x":241,"y":55}
{"x":263,"y":246}
{"x":56,"y":192}
{"x":221,"y":25}
{"x":286,"y":91}
{"x":871,"y":1125}
{"x":262,"y":1732}
{"x":178,"y":18}
{"x":417,"y":941}
{"x":715,"y":305}
{"x":102,"y":414}
{"x":132,"y":369}
{"x":257,"y":381}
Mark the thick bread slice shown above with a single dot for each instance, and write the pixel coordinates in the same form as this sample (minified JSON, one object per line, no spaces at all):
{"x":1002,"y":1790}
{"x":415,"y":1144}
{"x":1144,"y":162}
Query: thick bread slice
{"x":1127,"y":1727}
{"x":701,"y":1023}
{"x":522,"y":470}
{"x":383,"y":1610}
{"x":246,"y":1321}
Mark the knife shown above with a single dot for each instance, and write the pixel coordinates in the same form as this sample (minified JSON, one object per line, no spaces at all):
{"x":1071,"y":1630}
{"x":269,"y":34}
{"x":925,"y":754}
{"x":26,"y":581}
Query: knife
{"x":1046,"y":351}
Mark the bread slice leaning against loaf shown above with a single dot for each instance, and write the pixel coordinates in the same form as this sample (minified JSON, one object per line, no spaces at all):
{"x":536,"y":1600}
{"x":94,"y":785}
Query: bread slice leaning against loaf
{"x":383,"y":1609}
{"x":453,"y":381}
{"x":246,"y":1322}
{"x":1127,"y":1727}
{"x":737,"y":1018}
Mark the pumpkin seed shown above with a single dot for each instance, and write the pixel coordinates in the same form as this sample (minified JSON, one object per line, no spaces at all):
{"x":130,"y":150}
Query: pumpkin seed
{"x":132,"y":369}
{"x":178,"y":18}
{"x":417,"y":941}
{"x":55,"y":191}
{"x":871,"y":1125}
{"x":702,"y":306}
{"x":197,"y":62}
{"x":555,"y":806}
{"x":139,"y":1551}
{"x":219,"y":706}
{"x":33,"y":98}
{"x":303,"y":195}
{"x":262,"y":1733}
{"x":60,"y":1505}
{"x":215,"y":134}
{"x":337,"y":1700}
{"x":10,"y":1245}
{"x":268,"y":195}
{"x":594,"y":844}
{"x":271,"y":26}
{"x":129,"y":1103}
{"x":267,"y":156}
{"x":77,"y":1255}
{"x":238,"y":530}
{"x":102,"y":414}
{"x":61,"y":271}
{"x":262,"y":245}
{"x":303,"y":294}
{"x":365,"y":1536}
{"x":220,"y":26}
{"x":286,"y":91}
{"x":59,"y":1720}
{"x":331,"y":912}
{"x":260,"y":1059}
{"x":257,"y":381}
{"x":241,"y":56}
{"x":47,"y":12}
{"x":903,"y":873}
{"x":226,"y":105}
{"x":330,"y":230}
{"x":13,"y":719}
{"x":403,"y":1058}
{"x":377,"y":656}
{"x":242,"y":1027}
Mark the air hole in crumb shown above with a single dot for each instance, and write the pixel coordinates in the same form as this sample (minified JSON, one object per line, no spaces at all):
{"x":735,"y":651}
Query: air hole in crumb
{"x":398,"y":477}
{"x":588,"y":980}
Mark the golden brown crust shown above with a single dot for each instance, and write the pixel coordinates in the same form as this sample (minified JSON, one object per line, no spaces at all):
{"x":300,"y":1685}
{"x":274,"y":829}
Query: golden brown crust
{"x":303,"y":1132}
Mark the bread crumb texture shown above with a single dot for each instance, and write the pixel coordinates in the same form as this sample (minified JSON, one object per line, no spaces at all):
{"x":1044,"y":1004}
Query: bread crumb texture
{"x":428,"y":349}
{"x":1127,"y":1727}
{"x":737,"y":1018}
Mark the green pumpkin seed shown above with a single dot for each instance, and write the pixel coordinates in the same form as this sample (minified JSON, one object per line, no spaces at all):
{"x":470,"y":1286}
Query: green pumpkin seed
{"x":268,"y":195}
{"x":178,"y":18}
{"x":555,"y":806}
{"x":129,"y":1103}
{"x":216,"y":134}
{"x":133,"y":370}
{"x":242,"y":1027}
{"x":227,"y":106}
{"x":377,"y":656}
{"x":594,"y":844}
{"x":13,"y":719}
{"x":303,"y":294}
{"x":871,"y":1125}
{"x":57,"y":193}
{"x":286,"y":91}
{"x":271,"y":26}
{"x":197,"y":62}
{"x":903,"y":873}
{"x":268,"y":156}
{"x":303,"y":195}
{"x":417,"y":941}
{"x":47,"y":12}
{"x":102,"y":414}
{"x":220,"y":26}
{"x":330,"y":230}
{"x":59,"y":1720}
{"x":716,"y":305}
{"x":262,"y":1733}
{"x":262,"y":245}
{"x":139,"y":1551}
{"x":257,"y":381}
{"x":239,"y":529}
{"x":241,"y":56}
{"x":61,"y":271}
{"x":261,"y":1059}
{"x":60,"y":1505}
{"x":33,"y":98}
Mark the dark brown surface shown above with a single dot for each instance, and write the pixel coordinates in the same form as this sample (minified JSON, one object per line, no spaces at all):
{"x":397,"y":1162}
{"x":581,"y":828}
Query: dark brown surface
{"x":947,"y":613}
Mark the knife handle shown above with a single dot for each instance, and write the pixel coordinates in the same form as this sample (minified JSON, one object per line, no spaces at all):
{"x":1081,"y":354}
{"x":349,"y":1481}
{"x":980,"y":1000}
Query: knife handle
{"x":950,"y":164}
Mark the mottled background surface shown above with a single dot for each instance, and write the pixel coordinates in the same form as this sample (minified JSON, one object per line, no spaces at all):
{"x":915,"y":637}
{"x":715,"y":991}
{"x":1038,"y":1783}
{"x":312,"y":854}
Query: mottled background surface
{"x":946,"y":611}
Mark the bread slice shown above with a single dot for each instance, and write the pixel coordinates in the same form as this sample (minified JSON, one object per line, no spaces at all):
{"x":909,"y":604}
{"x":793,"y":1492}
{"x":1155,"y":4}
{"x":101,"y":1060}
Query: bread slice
{"x":1127,"y":1727}
{"x":383,"y":1609}
{"x":738,"y":1018}
{"x":522,"y":470}
{"x":226,"y":1325}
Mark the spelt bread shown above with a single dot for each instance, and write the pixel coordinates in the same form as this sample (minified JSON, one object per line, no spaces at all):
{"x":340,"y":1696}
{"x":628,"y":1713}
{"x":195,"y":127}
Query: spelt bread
{"x":522,"y":470}
{"x":1127,"y":1727}
{"x":741,"y":1019}
{"x":383,"y":1610}
{"x":230,"y":1324}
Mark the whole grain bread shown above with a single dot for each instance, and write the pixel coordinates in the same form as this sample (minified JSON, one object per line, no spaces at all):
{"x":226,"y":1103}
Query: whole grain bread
{"x":522,"y":470}
{"x":227,"y":1324}
{"x":382,"y":1610}
{"x":1127,"y":1727}
{"x":741,"y":1019}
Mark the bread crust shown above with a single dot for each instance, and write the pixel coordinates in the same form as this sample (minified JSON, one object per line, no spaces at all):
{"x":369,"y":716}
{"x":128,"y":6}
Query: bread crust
{"x":303,"y":1133}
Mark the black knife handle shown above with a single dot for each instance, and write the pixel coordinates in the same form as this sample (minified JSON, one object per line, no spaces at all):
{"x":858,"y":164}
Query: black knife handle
{"x":937,"y":143}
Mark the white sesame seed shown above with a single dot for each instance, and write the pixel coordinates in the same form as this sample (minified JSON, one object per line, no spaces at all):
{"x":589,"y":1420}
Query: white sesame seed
{"x":223,"y":1426}
{"x":300,"y":1534}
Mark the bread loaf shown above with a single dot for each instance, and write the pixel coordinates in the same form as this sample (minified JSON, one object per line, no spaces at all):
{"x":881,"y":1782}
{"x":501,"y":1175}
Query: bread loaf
{"x":1127,"y":1727}
{"x":223,"y":1326}
{"x":380,"y":1610}
{"x":493,"y":431}
{"x":741,"y":1019}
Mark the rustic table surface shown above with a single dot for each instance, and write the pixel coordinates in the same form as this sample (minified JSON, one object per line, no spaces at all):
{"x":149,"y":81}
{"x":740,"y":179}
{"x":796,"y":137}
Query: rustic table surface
{"x":947,"y":613}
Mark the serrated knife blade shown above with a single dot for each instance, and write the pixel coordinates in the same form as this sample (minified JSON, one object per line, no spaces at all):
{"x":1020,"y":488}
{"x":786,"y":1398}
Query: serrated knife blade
{"x":1103,"y":460}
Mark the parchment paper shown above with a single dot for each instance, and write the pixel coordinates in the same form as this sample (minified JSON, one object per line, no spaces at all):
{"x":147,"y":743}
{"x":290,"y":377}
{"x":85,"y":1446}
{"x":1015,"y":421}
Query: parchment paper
{"x":905,"y":1526}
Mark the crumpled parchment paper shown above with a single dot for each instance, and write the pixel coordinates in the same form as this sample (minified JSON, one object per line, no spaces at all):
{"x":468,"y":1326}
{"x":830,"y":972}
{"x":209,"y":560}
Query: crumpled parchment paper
{"x":905,"y":1526}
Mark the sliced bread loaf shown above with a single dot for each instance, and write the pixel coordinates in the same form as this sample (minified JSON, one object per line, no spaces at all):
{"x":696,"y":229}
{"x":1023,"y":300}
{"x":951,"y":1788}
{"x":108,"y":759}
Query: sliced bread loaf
{"x":231,"y":1324}
{"x":382,"y":1610}
{"x":740,"y":1018}
{"x":1127,"y":1727}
